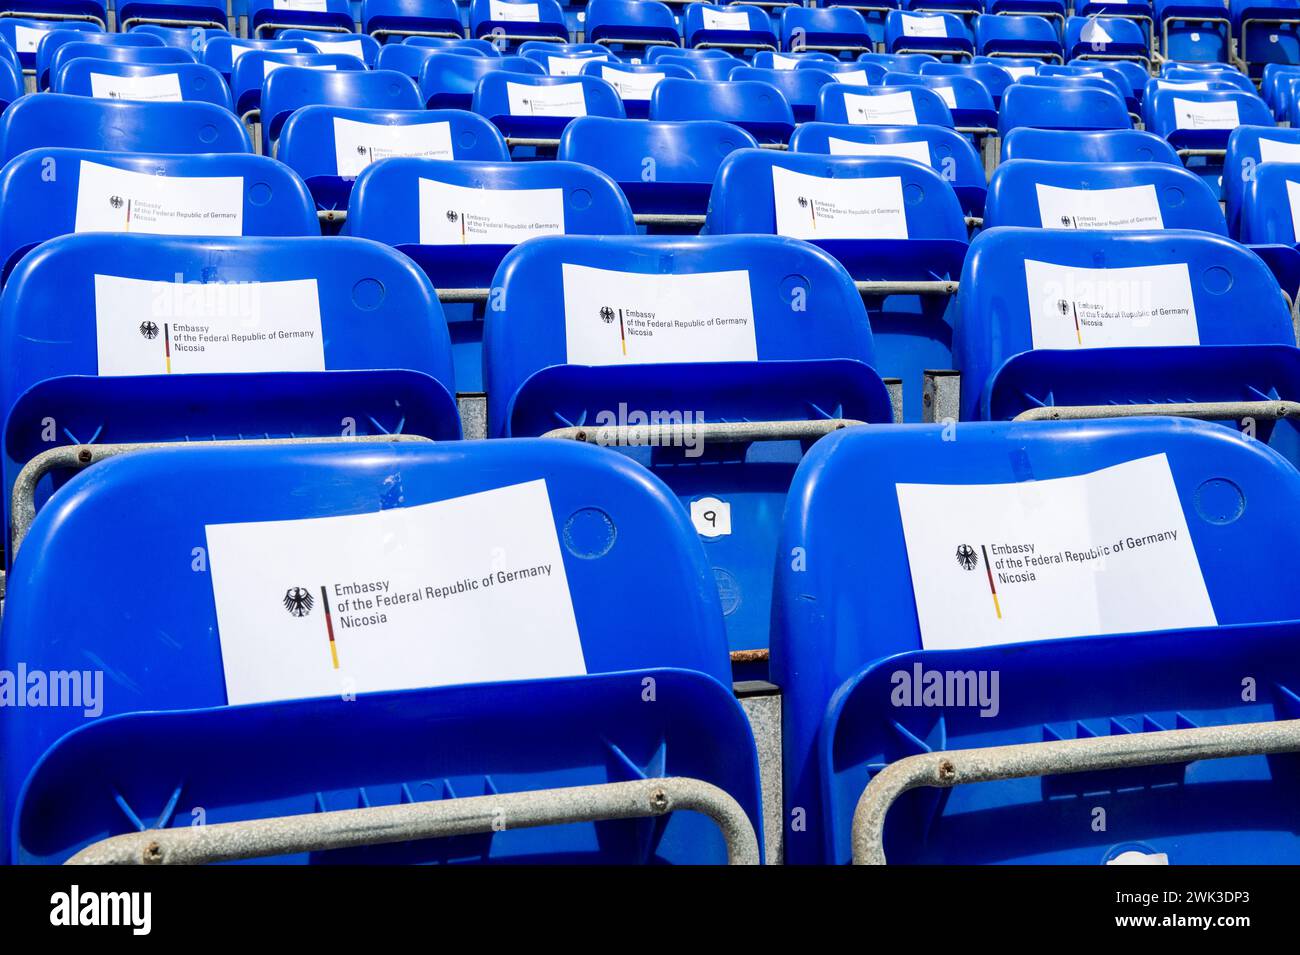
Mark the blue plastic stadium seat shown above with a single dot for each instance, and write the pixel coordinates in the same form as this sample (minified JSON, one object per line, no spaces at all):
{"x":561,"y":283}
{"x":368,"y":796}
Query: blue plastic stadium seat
{"x":1197,"y":119}
{"x":1074,"y":108}
{"x":1194,"y":30}
{"x":1102,"y":145}
{"x":758,"y":108}
{"x":448,"y":81}
{"x":1112,"y":196}
{"x":295,"y":87}
{"x":510,"y":22}
{"x":628,"y":26}
{"x":351,"y":317}
{"x":364,"y":48}
{"x":388,"y":19}
{"x":635,"y":82}
{"x":714,"y":68}
{"x":944,"y":150}
{"x":800,"y":87}
{"x":566,"y":59}
{"x":873,"y":14}
{"x":1266,"y":32}
{"x":114,"y":54}
{"x":1017,"y":36}
{"x":174,"y":13}
{"x":992,"y":76}
{"x":916,"y":233}
{"x":71,"y":11}
{"x":254,"y":68}
{"x":11,"y":83}
{"x":1017,"y":66}
{"x":792,"y":344}
{"x":541,"y":106}
{"x":1138,"y":12}
{"x":1051,"y":10}
{"x":329,"y":146}
{"x":1267,"y":220}
{"x":450,"y":219}
{"x":707,"y":53}
{"x":965,"y":9}
{"x":1051,"y":318}
{"x":1106,"y":38}
{"x":739,"y":27}
{"x":269,"y":199}
{"x":1248,"y":147}
{"x":939,"y":34}
{"x":852,"y":659}
{"x":899,"y":62}
{"x":177,"y":82}
{"x":1085,"y":72}
{"x":194,"y":39}
{"x":883,"y":106}
{"x":852,"y":72}
{"x":50,"y":44}
{"x":1269,"y":84}
{"x":774,"y":60}
{"x":25,"y":35}
{"x":265,"y":19}
{"x":970,"y":104}
{"x":684,"y":159}
{"x":1200,"y":73}
{"x":42,"y":120}
{"x":531,"y":727}
{"x":222,"y":53}
{"x":836,"y":29}
{"x":467,"y":47}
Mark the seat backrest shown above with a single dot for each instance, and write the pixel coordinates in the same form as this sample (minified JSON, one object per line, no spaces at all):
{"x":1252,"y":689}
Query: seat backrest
{"x":506,"y":18}
{"x":83,"y":122}
{"x":25,"y":35}
{"x":364,"y":48}
{"x":1119,"y":197}
{"x":1069,"y":107}
{"x":635,"y":82}
{"x":957,"y":92}
{"x":832,"y":198}
{"x":448,"y":81}
{"x":925,"y":31}
{"x":1247,"y":148}
{"x":1049,"y":289}
{"x":265,"y":15}
{"x":1015,"y":32}
{"x":731,"y":23}
{"x":899,"y":62}
{"x":525,"y":103}
{"x":254,"y":68}
{"x":328,"y":141}
{"x":743,"y":101}
{"x":1202,"y":117}
{"x":426,"y":202}
{"x":192,"y":38}
{"x":1269,"y":204}
{"x":799,"y":87}
{"x":294,"y":87}
{"x":222,"y":53}
{"x":942,"y":149}
{"x":11,"y":83}
{"x":177,"y":82}
{"x":1085,"y":36}
{"x":1078,"y":145}
{"x":218,"y":194}
{"x":454,"y":45}
{"x":1184,"y":74}
{"x":1017,"y":66}
{"x":118,"y":54}
{"x":388,"y":17}
{"x":994,"y":78}
{"x":852,"y":74}
{"x":702,"y":68}
{"x":643,"y":301}
{"x":49,"y":45}
{"x":771,"y":60}
{"x":883,"y":106}
{"x":823,"y":26}
{"x":630,"y":20}
{"x":708,"y":53}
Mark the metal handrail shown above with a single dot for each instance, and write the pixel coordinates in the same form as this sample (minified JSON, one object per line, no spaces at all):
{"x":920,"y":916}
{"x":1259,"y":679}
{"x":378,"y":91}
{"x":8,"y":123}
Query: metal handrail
{"x":383,"y":825}
{"x":719,"y":432}
{"x":1205,"y":410}
{"x":78,"y":457}
{"x":958,"y":767}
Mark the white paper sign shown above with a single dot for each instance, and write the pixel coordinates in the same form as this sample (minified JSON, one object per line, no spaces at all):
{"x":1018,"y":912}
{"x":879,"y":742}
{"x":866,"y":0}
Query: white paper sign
{"x":123,"y":200}
{"x":1099,"y":553}
{"x":1107,"y":308}
{"x":780,"y":62}
{"x":1293,"y":199}
{"x":26,"y":40}
{"x":467,"y":590}
{"x":947,"y":95}
{"x":270,"y":66}
{"x":1274,"y":150}
{"x":302,"y":6}
{"x":1021,"y":71}
{"x":178,"y":328}
{"x":345,"y":47}
{"x":513,"y":12}
{"x":633,"y":86}
{"x":1193,"y":114}
{"x":459,"y":215}
{"x":237,"y":50}
{"x":613,"y":318}
{"x":563,"y":99}
{"x":571,"y":65}
{"x":163,"y":87}
{"x":357,"y":145}
{"x":814,"y":207}
{"x":1191,"y":85}
{"x":924,"y":26}
{"x":917,"y":152}
{"x":725,"y":20}
{"x":886,"y":109}
{"x":1094,"y":32}
{"x":852,"y":77}
{"x":1126,"y":209}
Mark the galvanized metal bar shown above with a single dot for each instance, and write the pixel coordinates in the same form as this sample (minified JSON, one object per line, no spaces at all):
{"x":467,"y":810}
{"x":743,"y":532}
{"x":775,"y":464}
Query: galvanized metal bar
{"x":462,"y":296}
{"x":257,"y":34}
{"x":641,"y":42}
{"x":940,"y":396}
{"x":53,"y":18}
{"x":78,"y":457}
{"x":942,"y":287}
{"x":756,"y":47}
{"x":513,"y":141}
{"x":332,"y":215}
{"x":1211,"y":153}
{"x":668,"y":218}
{"x":895,"y":388}
{"x":957,"y":767}
{"x":383,"y":825}
{"x":443,"y":34}
{"x":164,"y":22}
{"x":1206,"y":410}
{"x":977,"y":222}
{"x":719,"y":432}
{"x":473,"y":416}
